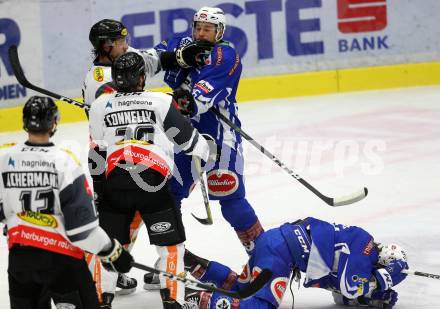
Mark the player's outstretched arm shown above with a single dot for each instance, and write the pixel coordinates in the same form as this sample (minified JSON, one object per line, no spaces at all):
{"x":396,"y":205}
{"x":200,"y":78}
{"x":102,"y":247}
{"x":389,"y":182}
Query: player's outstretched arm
{"x":190,"y":55}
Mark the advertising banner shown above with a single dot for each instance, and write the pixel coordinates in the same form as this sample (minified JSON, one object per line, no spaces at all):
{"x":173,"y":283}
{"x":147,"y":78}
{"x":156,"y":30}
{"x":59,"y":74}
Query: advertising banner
{"x":272,"y":36}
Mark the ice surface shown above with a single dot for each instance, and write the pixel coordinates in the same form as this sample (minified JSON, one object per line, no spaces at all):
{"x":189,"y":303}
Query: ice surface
{"x":388,"y":141}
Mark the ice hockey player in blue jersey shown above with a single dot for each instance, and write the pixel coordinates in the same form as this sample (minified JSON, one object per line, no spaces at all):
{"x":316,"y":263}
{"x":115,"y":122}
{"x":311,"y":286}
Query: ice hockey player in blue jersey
{"x":345,"y":260}
{"x":197,"y":90}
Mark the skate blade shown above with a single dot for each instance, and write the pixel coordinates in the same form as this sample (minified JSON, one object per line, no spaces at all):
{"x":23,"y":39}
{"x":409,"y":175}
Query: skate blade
{"x":120,"y":292}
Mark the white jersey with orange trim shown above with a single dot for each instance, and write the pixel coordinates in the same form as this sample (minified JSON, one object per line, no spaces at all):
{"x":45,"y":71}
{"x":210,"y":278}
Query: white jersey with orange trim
{"x":47,"y":201}
{"x":100,"y":75}
{"x":143,"y":127}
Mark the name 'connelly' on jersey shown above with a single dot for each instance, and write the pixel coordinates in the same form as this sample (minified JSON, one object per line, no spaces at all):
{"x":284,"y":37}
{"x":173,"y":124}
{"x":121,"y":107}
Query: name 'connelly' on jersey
{"x":121,"y":118}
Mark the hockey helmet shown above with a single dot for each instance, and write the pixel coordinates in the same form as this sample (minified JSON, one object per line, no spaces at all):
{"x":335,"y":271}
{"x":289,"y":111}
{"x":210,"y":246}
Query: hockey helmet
{"x":106,"y":30}
{"x":389,"y":253}
{"x":127,"y":70}
{"x":39,"y":115}
{"x":214,"y":16}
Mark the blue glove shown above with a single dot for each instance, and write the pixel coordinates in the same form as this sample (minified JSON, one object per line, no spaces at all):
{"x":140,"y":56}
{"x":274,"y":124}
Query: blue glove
{"x":379,"y":299}
{"x":395,"y":270}
{"x":383,"y":299}
{"x":391,"y":275}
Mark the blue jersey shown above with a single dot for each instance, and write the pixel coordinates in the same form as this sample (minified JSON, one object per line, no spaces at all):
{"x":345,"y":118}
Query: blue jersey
{"x":214,"y":85}
{"x":341,"y":258}
{"x":333,"y":256}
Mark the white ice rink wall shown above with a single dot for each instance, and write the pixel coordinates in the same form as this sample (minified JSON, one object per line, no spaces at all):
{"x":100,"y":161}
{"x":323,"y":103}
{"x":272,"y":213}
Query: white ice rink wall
{"x":288,"y":47}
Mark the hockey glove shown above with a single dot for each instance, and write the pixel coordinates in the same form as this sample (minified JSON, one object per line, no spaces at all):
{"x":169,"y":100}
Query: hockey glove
{"x":214,"y":151}
{"x":98,"y":193}
{"x":194,"y":54}
{"x":391,"y":275}
{"x":116,"y":258}
{"x":184,"y":101}
{"x":197,"y":299}
{"x":386,"y":299}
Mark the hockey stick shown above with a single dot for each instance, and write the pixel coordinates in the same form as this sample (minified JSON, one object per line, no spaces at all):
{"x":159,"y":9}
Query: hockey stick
{"x":19,"y":74}
{"x":339,"y":201}
{"x":208,"y":220}
{"x":251,"y":289}
{"x":421,"y":274}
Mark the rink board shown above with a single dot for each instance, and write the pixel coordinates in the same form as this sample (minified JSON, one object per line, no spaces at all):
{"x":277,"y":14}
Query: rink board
{"x":290,"y":85}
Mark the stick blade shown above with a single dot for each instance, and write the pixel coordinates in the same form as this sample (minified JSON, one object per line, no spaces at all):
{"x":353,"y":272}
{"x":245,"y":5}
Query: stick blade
{"x":255,"y":285}
{"x":350,"y":199}
{"x":204,"y":221}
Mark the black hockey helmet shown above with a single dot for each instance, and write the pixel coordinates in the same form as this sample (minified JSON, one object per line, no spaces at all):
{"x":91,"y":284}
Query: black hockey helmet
{"x":39,"y":114}
{"x":127,"y":70}
{"x":106,"y":30}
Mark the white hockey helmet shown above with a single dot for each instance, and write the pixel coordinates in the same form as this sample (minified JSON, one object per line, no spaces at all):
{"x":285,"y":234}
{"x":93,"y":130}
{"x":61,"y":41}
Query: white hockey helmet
{"x":391,"y":252}
{"x":214,"y":16}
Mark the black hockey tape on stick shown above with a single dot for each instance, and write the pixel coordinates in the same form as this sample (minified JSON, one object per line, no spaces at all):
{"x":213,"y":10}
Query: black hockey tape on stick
{"x":19,"y":74}
{"x":421,"y":274}
{"x":250,"y":290}
{"x":339,"y":201}
{"x":208,"y":220}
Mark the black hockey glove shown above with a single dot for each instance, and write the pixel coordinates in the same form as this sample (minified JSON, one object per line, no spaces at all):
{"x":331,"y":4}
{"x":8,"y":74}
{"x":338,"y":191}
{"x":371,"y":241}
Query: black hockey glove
{"x":196,"y":298}
{"x":194,"y":54}
{"x":184,"y":101}
{"x":116,"y":258}
{"x":98,"y":193}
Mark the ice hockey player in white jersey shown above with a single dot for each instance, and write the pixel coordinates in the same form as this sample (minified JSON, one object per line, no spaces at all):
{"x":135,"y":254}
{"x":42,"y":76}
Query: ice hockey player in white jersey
{"x":138,"y":132}
{"x":47,"y":206}
{"x":110,"y":39}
